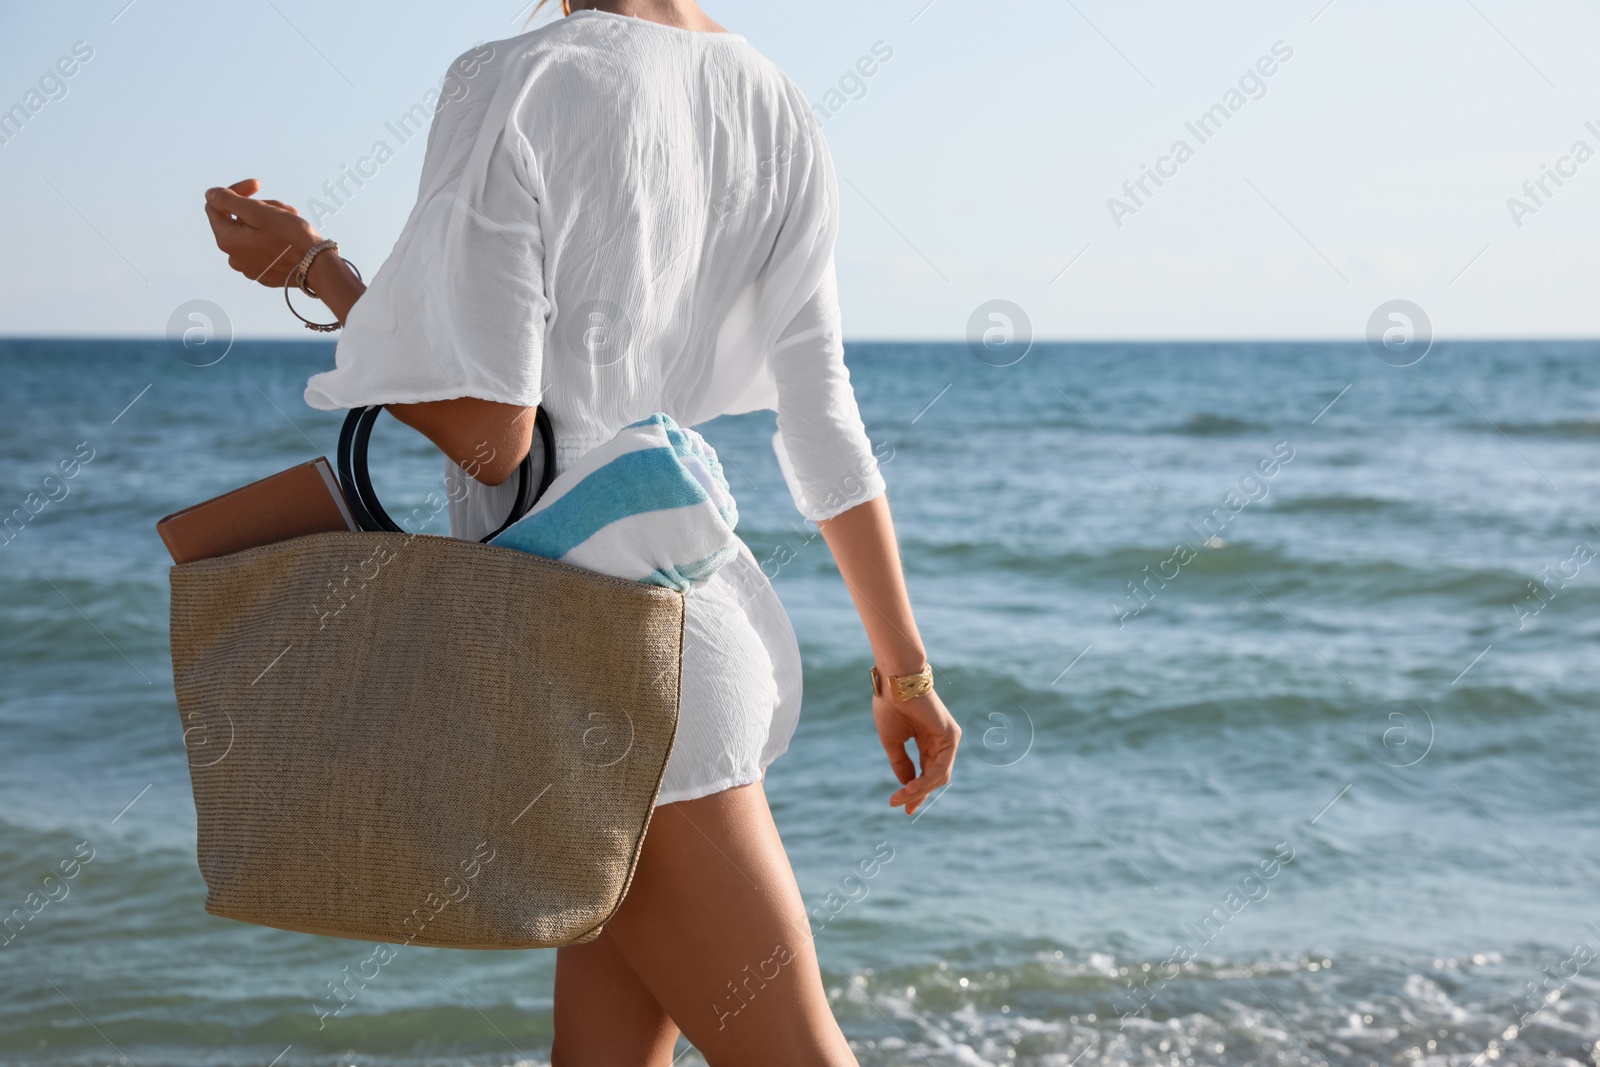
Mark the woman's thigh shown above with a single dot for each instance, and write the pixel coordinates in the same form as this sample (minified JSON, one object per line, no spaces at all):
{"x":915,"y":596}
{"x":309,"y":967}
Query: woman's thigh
{"x":714,"y":928}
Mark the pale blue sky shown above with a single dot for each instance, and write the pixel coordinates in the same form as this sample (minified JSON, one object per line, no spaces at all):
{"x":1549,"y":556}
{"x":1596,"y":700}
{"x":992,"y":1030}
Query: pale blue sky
{"x":976,"y":164}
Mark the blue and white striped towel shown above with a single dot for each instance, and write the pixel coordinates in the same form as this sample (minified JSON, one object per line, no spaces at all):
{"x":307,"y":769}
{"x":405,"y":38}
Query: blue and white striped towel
{"x":651,"y":505}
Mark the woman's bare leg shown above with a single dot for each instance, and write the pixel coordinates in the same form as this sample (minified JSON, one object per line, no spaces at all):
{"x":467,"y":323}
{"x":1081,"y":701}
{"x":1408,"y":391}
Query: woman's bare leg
{"x":604,"y":1014}
{"x":714,"y":929}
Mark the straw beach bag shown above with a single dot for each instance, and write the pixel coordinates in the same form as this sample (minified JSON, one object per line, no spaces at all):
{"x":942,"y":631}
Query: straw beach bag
{"x":421,"y":740}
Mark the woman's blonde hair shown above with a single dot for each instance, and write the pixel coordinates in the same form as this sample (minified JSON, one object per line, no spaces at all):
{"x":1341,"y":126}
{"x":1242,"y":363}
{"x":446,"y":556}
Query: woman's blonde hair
{"x":566,"y":9}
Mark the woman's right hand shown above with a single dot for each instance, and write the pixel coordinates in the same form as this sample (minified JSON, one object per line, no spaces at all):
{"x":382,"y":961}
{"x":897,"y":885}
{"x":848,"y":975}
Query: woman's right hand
{"x":929,"y":723}
{"x":264,"y":239}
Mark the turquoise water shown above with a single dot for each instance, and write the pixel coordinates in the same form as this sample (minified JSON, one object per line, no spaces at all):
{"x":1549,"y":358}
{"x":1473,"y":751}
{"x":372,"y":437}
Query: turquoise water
{"x":1343,"y":662}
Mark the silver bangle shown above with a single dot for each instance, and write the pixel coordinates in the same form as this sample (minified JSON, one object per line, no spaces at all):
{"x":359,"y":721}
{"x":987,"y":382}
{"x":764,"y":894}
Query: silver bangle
{"x":297,"y":277}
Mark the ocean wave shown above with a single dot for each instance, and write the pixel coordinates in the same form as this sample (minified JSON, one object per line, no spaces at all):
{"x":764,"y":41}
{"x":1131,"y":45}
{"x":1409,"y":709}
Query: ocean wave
{"x":1568,"y":429}
{"x":56,"y":622}
{"x":1058,"y":1008}
{"x":1309,"y":1009}
{"x":1206,"y":424}
{"x":1352,"y":581}
{"x":1340,"y":504}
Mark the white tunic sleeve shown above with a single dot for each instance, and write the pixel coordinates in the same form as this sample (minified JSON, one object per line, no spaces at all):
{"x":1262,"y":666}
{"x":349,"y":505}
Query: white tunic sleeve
{"x":459,"y":308}
{"x":822,"y":445}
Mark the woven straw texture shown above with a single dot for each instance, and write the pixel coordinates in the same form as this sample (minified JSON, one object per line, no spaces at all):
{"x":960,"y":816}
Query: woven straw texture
{"x":421,"y":740}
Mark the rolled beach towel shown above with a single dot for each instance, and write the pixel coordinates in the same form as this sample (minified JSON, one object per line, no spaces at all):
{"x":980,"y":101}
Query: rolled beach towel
{"x":651,"y":505}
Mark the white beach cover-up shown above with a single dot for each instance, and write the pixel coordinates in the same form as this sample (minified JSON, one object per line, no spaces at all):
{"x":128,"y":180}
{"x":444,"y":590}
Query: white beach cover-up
{"x":618,"y":217}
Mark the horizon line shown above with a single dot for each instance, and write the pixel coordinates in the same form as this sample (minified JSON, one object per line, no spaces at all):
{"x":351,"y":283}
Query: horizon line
{"x":1143,"y":340}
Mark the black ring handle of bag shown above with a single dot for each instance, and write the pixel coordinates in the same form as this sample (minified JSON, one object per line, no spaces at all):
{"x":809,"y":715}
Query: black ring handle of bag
{"x":357,"y":483}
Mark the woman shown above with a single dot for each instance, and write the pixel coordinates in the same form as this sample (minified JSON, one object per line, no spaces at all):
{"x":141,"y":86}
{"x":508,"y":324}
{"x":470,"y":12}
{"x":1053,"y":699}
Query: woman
{"x":626,"y":211}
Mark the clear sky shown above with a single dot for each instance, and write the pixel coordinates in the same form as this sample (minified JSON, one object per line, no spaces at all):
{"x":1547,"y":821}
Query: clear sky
{"x":977,"y":162}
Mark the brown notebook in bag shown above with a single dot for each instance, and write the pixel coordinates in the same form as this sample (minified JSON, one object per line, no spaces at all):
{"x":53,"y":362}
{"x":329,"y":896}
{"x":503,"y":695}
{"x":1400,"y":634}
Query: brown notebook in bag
{"x":301,"y":500}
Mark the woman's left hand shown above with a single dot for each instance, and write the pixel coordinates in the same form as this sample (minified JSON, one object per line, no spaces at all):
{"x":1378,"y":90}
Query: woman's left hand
{"x":264,"y":239}
{"x":927,"y":722}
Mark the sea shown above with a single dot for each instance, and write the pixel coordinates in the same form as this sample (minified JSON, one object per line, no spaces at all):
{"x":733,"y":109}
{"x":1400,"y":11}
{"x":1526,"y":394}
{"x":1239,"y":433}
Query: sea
{"x":1279,"y":666}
